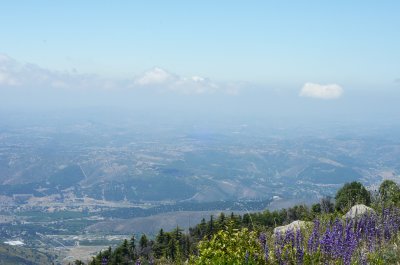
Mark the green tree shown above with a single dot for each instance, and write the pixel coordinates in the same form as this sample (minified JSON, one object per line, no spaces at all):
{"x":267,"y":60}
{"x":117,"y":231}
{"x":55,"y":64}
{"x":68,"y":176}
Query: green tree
{"x":247,"y":219}
{"x":210,"y":228}
{"x":316,"y":208}
{"x":389,"y":192}
{"x":132,"y":248}
{"x":351,"y":194}
{"x":143,"y":242}
{"x":159,"y":245}
{"x":202,"y":228}
{"x":221,"y":221}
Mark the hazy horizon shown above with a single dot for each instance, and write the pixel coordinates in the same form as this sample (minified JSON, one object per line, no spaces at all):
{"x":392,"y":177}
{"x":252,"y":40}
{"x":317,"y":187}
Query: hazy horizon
{"x":313,"y":62}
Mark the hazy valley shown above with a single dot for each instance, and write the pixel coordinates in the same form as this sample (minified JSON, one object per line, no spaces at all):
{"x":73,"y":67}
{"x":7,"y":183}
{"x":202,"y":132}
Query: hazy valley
{"x":82,"y":185}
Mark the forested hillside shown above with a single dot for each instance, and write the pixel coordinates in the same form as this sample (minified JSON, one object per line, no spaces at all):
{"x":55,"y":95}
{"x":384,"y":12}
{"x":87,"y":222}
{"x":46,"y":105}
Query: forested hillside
{"x":325,"y":234}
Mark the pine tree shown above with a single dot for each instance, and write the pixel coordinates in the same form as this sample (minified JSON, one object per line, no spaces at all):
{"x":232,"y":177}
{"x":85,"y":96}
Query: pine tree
{"x":210,"y":229}
{"x":132,"y":248}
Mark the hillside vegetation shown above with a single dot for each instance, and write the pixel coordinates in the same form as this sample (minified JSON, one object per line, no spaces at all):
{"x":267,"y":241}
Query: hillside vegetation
{"x":326,"y":237}
{"x":10,"y":255}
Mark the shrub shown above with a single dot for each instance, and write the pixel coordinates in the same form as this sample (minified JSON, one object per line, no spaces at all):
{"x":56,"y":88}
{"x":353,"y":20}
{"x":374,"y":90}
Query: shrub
{"x":230,"y":246}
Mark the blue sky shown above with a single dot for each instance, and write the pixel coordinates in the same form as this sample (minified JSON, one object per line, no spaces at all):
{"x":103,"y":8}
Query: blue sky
{"x":276,"y":42}
{"x":281,"y":51}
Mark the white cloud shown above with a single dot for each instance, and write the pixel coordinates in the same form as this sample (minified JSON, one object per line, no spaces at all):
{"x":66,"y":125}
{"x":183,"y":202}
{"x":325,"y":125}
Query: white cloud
{"x":329,"y":91}
{"x":165,"y":80}
{"x":26,"y":75}
{"x":155,"y":76}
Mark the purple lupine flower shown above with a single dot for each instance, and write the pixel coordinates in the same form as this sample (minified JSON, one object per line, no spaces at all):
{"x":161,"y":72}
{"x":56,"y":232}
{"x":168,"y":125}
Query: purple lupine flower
{"x":359,"y":226}
{"x":278,"y":247}
{"x":264,"y":245}
{"x":396,"y":219}
{"x":379,"y":234}
{"x":289,"y":240}
{"x":246,"y":257}
{"x":313,"y":241}
{"x":391,"y":223}
{"x":374,"y":234}
{"x":341,"y":239}
{"x":337,"y":239}
{"x":104,"y":261}
{"x":386,"y":225}
{"x":350,"y":243}
{"x":326,"y":242}
{"x":138,"y":262}
{"x":266,"y":253}
{"x":263,"y":239}
{"x":371,"y":232}
{"x":289,"y":237}
{"x":299,"y":247}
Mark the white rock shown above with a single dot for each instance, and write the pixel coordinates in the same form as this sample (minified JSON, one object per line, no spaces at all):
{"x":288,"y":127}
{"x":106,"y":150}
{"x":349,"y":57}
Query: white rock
{"x":294,"y":226}
{"x":358,"y":210}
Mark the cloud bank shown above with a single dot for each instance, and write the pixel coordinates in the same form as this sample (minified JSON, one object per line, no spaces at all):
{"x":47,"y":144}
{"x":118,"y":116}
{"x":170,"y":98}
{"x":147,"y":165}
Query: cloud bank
{"x":14,"y":74}
{"x":314,"y":90}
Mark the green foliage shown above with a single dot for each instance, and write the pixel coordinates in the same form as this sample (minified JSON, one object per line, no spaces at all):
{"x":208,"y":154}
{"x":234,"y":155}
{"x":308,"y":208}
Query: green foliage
{"x":143,"y":242}
{"x":175,"y":247}
{"x":351,"y":194}
{"x":229,"y":246}
{"x":389,"y":193}
{"x":316,"y":208}
{"x":298,"y":212}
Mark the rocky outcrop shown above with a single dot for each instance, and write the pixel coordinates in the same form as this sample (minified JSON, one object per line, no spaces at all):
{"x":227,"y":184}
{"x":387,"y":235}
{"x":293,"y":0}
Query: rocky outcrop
{"x":358,"y":210}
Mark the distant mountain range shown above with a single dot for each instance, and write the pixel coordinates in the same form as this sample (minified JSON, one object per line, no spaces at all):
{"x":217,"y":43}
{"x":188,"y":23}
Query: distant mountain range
{"x":90,"y":160}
